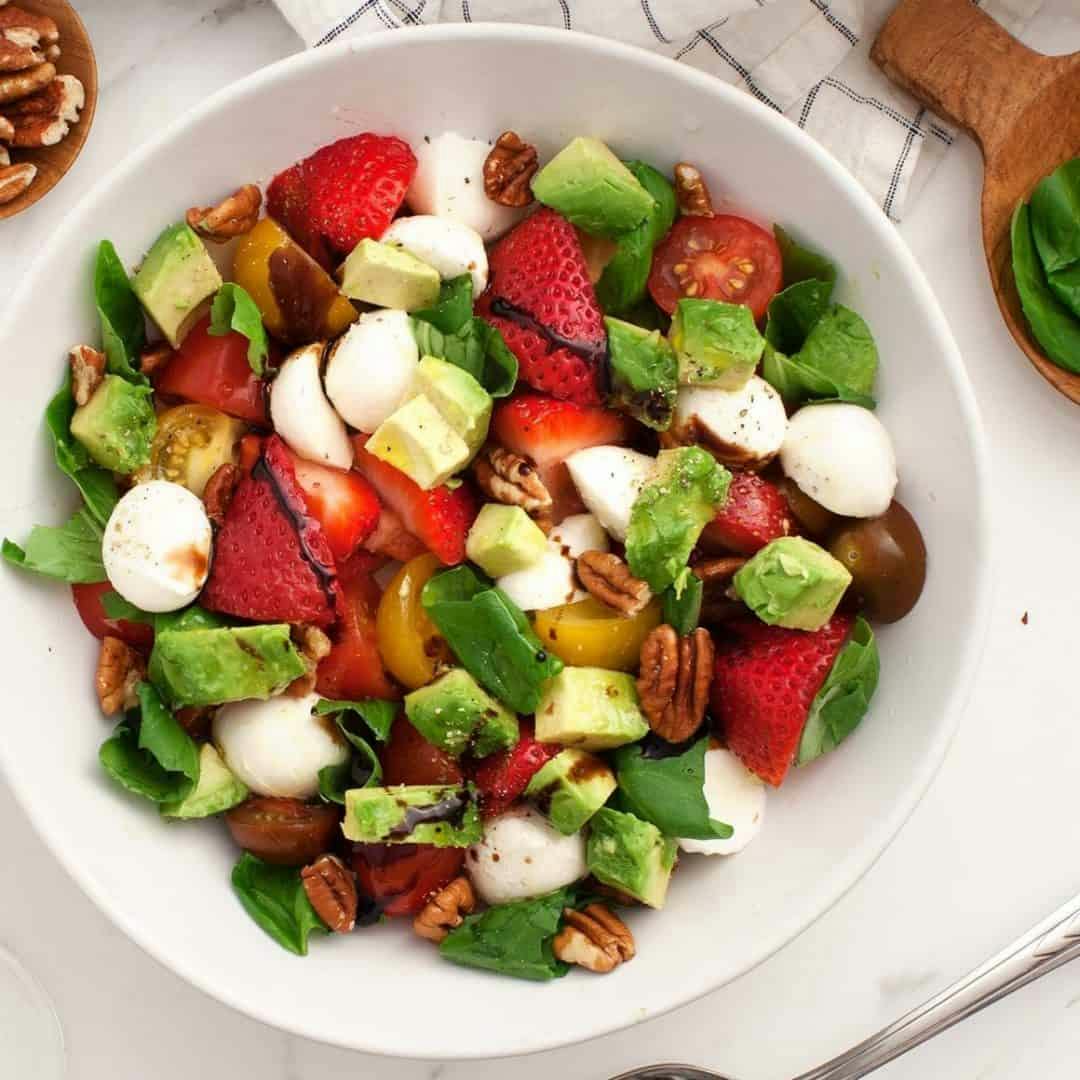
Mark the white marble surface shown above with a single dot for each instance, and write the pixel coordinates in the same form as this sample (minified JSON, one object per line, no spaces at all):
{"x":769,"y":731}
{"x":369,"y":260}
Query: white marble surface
{"x":990,"y":850}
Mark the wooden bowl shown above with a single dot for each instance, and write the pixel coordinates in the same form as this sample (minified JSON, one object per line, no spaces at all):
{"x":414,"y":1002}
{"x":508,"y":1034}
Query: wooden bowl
{"x":76,"y":58}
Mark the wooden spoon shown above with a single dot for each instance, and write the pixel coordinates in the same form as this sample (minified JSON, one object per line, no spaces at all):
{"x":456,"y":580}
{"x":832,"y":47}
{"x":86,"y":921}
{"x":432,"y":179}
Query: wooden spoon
{"x":1023,"y":109}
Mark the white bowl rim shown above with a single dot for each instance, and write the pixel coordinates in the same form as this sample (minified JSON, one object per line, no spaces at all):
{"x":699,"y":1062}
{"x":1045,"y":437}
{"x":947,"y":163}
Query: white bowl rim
{"x":847,"y":871}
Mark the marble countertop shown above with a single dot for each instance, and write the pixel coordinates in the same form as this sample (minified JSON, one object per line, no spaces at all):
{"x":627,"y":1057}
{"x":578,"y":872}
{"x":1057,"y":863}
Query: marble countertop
{"x":980,"y":861}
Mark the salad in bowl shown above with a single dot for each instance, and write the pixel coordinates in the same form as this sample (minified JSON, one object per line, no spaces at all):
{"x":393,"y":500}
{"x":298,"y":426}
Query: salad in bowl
{"x":476,"y":536}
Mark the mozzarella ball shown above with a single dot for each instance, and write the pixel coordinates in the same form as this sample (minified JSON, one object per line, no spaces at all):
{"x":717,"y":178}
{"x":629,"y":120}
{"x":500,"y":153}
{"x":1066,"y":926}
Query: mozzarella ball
{"x":301,"y":414}
{"x":522,"y":856}
{"x":449,"y":246}
{"x":449,"y":183}
{"x":371,"y":367}
{"x":734,"y":795}
{"x":842,"y":457}
{"x":156,"y":547}
{"x":548,"y":583}
{"x":742,"y":427}
{"x":580,"y":533}
{"x":609,"y":480}
{"x":277,"y":747}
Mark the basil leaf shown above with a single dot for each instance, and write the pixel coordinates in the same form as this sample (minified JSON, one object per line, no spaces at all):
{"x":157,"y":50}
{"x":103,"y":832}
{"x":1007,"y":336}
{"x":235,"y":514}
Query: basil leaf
{"x":363,"y":769}
{"x":69,"y":552}
{"x":794,"y":312}
{"x":233,"y":309}
{"x":116,"y":607}
{"x":377,"y":714}
{"x":1055,"y":218}
{"x":123,"y":327}
{"x":801,"y":263}
{"x":669,"y":791}
{"x":161,"y":735}
{"x":682,"y":606}
{"x":798,"y":384}
{"x":274,"y":897}
{"x":512,"y":939}
{"x":841,"y":348}
{"x":454,"y":307}
{"x":644,"y":373}
{"x":477,"y":347}
{"x":842,"y":701}
{"x":648,"y":316}
{"x":490,"y":636}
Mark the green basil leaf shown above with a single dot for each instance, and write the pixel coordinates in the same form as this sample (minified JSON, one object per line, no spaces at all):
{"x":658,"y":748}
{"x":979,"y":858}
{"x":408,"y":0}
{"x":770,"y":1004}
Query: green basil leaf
{"x":794,"y":312}
{"x":477,"y":347}
{"x":843,"y":700}
{"x":274,"y":897}
{"x":363,"y":768}
{"x":490,"y":636}
{"x":233,"y":309}
{"x":512,"y":939}
{"x":798,"y":384}
{"x":161,"y":735}
{"x":376,"y":713}
{"x":669,"y":791}
{"x":69,"y":552}
{"x":644,"y":373}
{"x":1055,"y":218}
{"x":454,"y":307}
{"x":682,"y":606}
{"x":841,"y":348}
{"x":116,"y":607}
{"x":801,"y":263}
{"x":648,"y":316}
{"x":123,"y":327}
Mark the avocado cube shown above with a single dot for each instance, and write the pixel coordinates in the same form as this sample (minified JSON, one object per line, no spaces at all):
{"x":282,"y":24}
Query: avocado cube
{"x":570,"y":788}
{"x":644,"y":373}
{"x":211,"y":667}
{"x":630,"y":854}
{"x":446,"y":816}
{"x":504,"y":539}
{"x":457,"y":715}
{"x":117,"y":425}
{"x":716,"y":344}
{"x":176,"y":276}
{"x":418,"y":441}
{"x":794,"y":583}
{"x":463,"y":403}
{"x":389,"y":277}
{"x":592,"y":188}
{"x":590,"y":707}
{"x":218,"y":789}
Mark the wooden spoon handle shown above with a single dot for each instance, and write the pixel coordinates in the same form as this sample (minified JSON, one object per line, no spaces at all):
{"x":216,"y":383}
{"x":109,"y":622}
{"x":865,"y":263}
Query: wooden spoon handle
{"x":961,"y":63}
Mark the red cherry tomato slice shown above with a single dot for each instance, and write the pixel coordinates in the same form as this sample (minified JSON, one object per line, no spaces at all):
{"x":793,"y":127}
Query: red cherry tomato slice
{"x":284,"y":831}
{"x":719,"y":258}
{"x":214,"y":371}
{"x":88,"y":603}
{"x":408,"y":758}
{"x":401,"y":877}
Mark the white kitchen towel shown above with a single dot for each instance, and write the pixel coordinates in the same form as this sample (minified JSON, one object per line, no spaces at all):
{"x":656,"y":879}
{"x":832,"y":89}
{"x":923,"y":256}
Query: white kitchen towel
{"x":808,"y":59}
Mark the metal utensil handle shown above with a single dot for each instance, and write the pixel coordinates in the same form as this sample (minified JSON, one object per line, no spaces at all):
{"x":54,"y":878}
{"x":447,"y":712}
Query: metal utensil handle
{"x":1052,"y":943}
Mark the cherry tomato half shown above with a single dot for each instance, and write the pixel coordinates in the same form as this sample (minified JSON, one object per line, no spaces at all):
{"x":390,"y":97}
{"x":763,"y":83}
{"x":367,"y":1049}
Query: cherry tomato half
{"x":191,"y":443}
{"x":408,"y":758}
{"x":88,"y":603}
{"x":284,"y":831}
{"x":401,"y":877}
{"x":719,"y":258}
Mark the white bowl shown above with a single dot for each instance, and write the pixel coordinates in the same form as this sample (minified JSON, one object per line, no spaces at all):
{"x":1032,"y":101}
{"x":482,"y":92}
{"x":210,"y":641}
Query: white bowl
{"x":384,"y":990}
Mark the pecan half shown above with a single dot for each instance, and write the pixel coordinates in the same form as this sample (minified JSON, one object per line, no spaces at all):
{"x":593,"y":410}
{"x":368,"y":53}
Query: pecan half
{"x":219,"y":491}
{"x":87,"y":372}
{"x":7,"y":129}
{"x":718,"y":603}
{"x":332,"y":891}
{"x":673,"y":682}
{"x":195,"y":720}
{"x":446,"y":910}
{"x":15,"y":179}
{"x":154,"y":358}
{"x":62,"y":99}
{"x":691,"y":191}
{"x":509,"y":169}
{"x":233,"y":216}
{"x":15,"y":18}
{"x":595,"y":939}
{"x":120,"y":669}
{"x":19,"y":50}
{"x":512,"y":479}
{"x":314,"y":646}
{"x":20,"y":84}
{"x":609,"y":579}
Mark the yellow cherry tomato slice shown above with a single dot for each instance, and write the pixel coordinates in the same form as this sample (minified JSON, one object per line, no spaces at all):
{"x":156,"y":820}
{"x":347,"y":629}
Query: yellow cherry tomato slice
{"x":191,"y":442}
{"x":409,"y":644}
{"x":590,"y":634}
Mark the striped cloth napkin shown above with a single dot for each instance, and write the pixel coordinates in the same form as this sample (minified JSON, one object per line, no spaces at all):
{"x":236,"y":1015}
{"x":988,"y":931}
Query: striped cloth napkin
{"x":808,"y":59}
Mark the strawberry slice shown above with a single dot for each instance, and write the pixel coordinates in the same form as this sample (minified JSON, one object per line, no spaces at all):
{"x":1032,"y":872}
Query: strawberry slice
{"x":542,"y":301}
{"x":755,"y":513}
{"x":766,"y":679}
{"x":548,"y":431}
{"x":503,"y":777}
{"x":272,"y":560}
{"x":439,"y":518}
{"x":287,"y":202}
{"x":344,"y":503}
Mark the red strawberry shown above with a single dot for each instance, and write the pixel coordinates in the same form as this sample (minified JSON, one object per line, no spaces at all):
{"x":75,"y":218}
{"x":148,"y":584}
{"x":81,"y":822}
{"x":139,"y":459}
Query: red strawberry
{"x":287,"y":203}
{"x":755,"y":513}
{"x":440,"y":518}
{"x":391,"y":540}
{"x":272,"y":561}
{"x":541,"y":298}
{"x":355,"y":186}
{"x":766,"y":678}
{"x":344,"y":503}
{"x":502,"y":778}
{"x":548,"y":431}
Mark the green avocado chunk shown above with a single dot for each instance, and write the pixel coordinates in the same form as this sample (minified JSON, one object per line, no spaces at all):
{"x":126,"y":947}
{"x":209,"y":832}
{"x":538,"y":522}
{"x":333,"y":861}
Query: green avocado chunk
{"x":389,"y":277}
{"x":630,"y":854}
{"x":213,"y":666}
{"x":446,"y":815}
{"x":570,"y":788}
{"x":416,"y":439}
{"x":504,"y":539}
{"x":217,"y":790}
{"x":457,"y":715}
{"x":591,"y":708}
{"x":717,"y":344}
{"x":644,"y":373}
{"x":117,"y":425}
{"x":463,"y":403}
{"x":176,"y":276}
{"x":794,"y":583}
{"x":592,"y":188}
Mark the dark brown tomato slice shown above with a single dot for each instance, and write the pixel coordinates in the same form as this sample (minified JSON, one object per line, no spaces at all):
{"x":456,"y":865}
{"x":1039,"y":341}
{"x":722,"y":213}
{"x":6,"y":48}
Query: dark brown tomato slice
{"x":400,"y":878}
{"x":287,"y":832}
{"x":408,"y":758}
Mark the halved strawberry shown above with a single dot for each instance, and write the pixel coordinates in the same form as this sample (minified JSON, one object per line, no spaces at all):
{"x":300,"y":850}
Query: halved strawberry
{"x":755,"y":513}
{"x":344,"y":502}
{"x":542,"y":301}
{"x":503,"y":777}
{"x":766,"y":679}
{"x":287,"y":202}
{"x":548,"y":431}
{"x":439,"y":518}
{"x":272,"y":561}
